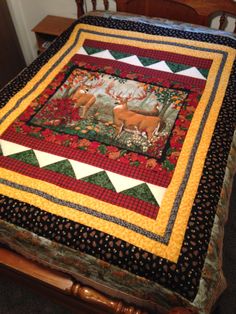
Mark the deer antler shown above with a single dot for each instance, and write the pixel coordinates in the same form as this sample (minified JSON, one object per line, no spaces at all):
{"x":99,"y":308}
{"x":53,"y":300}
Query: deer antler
{"x":118,"y":96}
{"x":97,"y":83}
{"x":92,"y":84}
{"x":141,"y":95}
{"x":112,"y":93}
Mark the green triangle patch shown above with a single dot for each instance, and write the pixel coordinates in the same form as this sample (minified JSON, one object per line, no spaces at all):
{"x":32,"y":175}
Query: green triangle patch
{"x":119,"y":55}
{"x":100,"y":179}
{"x":141,"y":192}
{"x":147,"y":61}
{"x":63,"y":167}
{"x":27,"y":156}
{"x":92,"y":50}
{"x":1,"y":153}
{"x":204,"y":72}
{"x":176,"y":67}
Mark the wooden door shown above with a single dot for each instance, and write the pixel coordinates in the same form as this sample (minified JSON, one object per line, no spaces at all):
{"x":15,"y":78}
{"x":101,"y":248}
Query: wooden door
{"x":11,"y":57}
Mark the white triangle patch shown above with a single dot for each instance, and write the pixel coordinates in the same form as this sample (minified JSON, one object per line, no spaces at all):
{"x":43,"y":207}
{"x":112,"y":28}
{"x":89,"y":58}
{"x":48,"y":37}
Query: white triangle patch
{"x":82,"y":170}
{"x":157,"y":191}
{"x":9,"y":148}
{"x":122,"y":183}
{"x":160,"y":66}
{"x":133,"y":60}
{"x":105,"y":54}
{"x":82,"y":51}
{"x":45,"y":159}
{"x":192,"y":72}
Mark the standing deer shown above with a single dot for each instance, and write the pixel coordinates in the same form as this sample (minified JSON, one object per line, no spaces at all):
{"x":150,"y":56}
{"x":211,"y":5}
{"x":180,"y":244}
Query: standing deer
{"x":132,"y":120}
{"x":83,"y":99}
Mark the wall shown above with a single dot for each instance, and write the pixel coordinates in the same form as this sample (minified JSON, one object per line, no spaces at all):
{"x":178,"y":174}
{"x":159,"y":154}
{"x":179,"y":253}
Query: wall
{"x":27,"y":13}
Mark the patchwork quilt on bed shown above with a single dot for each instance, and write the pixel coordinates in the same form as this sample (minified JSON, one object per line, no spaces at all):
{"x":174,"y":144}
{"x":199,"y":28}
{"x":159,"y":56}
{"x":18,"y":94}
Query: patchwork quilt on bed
{"x":117,"y":146}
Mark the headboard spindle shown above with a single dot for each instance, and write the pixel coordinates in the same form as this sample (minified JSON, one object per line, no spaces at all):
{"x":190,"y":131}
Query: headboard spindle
{"x":94,"y":3}
{"x":223,"y":21}
{"x":80,"y":6}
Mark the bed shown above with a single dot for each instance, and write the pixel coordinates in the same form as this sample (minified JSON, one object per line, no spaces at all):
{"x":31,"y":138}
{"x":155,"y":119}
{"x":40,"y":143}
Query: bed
{"x":117,"y":160}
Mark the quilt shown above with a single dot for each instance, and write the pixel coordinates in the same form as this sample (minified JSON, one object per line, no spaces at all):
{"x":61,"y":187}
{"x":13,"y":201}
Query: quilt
{"x":116,"y":143}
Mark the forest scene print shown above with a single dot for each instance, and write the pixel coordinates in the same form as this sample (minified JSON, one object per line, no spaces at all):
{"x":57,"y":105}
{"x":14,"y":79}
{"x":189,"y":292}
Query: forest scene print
{"x":131,"y":115}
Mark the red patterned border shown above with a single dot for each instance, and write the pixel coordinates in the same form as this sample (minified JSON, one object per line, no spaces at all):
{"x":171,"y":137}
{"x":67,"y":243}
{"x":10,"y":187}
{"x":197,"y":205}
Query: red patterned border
{"x":126,"y":69}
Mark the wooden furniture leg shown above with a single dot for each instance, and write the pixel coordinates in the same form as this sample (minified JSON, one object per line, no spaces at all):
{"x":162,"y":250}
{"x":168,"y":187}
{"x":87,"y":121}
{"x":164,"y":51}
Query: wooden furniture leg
{"x":64,"y":283}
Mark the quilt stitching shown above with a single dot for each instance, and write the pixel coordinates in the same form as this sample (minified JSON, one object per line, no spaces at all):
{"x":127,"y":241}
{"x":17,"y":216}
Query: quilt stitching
{"x":194,"y":273}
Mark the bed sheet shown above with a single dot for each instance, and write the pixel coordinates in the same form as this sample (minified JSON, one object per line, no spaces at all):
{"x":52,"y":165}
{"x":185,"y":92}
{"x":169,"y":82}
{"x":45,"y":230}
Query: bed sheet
{"x":116,"y":156}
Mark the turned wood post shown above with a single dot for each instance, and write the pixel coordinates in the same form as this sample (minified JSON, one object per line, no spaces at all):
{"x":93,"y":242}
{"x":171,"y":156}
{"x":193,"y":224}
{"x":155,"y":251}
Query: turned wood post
{"x":92,"y":296}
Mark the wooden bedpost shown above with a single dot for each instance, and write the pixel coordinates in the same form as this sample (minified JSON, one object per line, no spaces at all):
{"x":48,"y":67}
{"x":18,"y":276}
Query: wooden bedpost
{"x":92,"y":296}
{"x":64,"y":283}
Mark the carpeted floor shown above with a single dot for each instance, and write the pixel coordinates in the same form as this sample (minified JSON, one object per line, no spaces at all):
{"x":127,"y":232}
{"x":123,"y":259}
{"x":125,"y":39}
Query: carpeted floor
{"x":17,"y":299}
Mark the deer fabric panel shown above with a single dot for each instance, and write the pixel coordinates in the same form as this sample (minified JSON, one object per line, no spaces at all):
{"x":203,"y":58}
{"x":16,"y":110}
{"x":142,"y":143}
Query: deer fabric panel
{"x":113,"y":134}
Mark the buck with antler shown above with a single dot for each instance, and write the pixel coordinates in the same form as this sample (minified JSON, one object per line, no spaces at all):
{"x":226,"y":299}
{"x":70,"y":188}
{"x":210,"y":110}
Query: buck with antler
{"x":133,"y":120}
{"x":83,"y":99}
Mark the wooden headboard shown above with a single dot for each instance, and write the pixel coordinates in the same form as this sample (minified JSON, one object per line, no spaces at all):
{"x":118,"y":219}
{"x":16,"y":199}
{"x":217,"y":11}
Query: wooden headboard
{"x":191,"y":11}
